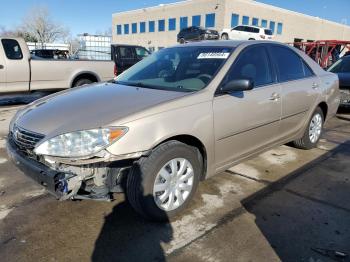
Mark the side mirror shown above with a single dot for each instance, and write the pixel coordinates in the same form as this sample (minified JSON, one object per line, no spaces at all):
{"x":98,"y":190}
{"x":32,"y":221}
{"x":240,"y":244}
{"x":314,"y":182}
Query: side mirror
{"x":237,"y":85}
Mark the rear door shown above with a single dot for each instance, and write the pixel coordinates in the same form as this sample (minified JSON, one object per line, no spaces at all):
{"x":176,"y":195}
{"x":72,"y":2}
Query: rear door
{"x":247,"y":121}
{"x":16,"y":66}
{"x":298,"y":88}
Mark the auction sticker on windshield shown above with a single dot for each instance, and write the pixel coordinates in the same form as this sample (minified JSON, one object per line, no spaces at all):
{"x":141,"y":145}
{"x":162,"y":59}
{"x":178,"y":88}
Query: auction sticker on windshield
{"x":213,"y":55}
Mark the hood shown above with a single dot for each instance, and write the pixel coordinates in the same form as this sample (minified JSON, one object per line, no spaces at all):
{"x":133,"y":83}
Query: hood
{"x":89,"y":107}
{"x":344,"y":80}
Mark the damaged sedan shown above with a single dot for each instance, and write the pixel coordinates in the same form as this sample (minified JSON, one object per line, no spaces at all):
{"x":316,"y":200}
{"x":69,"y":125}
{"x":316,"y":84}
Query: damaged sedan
{"x":177,"y":117}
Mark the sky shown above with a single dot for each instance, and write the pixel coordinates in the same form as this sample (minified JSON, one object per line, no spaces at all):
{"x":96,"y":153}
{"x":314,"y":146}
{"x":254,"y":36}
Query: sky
{"x":93,"y":16}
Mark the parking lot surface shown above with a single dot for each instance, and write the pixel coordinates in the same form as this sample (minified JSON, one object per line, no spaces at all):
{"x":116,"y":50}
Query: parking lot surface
{"x":286,"y":204}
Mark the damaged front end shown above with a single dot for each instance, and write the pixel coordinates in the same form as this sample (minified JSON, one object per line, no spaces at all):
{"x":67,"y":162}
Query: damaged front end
{"x":96,"y":177}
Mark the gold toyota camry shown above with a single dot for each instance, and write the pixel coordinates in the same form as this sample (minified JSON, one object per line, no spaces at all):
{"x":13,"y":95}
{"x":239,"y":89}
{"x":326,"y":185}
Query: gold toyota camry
{"x":179,"y":116}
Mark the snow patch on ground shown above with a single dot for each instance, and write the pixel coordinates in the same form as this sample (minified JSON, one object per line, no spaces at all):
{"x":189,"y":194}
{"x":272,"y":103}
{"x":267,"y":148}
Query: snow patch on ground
{"x":35,"y":193}
{"x":2,"y":143}
{"x":246,"y":170}
{"x":3,"y":160}
{"x":4,"y":211}
{"x":279,"y":156}
{"x":193,"y":225}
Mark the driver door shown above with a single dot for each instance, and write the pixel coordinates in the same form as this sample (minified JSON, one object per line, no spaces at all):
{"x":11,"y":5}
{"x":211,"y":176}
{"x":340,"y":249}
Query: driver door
{"x":249,"y":120}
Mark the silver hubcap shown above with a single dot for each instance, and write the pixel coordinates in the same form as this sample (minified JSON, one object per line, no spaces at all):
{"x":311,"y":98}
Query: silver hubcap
{"x":173,"y":184}
{"x":315,"y":128}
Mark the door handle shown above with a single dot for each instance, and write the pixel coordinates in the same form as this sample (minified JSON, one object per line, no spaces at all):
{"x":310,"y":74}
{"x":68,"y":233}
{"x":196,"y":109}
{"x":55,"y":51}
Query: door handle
{"x":1,"y":67}
{"x":314,"y":85}
{"x":275,"y":97}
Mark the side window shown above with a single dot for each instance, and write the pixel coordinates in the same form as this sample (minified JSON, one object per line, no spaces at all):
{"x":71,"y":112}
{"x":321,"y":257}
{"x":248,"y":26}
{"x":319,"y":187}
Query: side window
{"x":238,"y":28}
{"x":289,"y":64}
{"x":253,"y":64}
{"x":126,"y":52}
{"x":307,"y":70}
{"x":12,"y":49}
{"x":141,"y":52}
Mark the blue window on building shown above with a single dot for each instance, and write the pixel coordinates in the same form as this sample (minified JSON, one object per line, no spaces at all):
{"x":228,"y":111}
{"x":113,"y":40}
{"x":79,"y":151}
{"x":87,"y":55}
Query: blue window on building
{"x":272,"y":26}
{"x":279,"y":28}
{"x":183,"y":22}
{"x":119,"y":29}
{"x":161,"y":25}
{"x":126,"y":29}
{"x":255,"y":21}
{"x":151,"y":26}
{"x":172,"y":24}
{"x":142,"y":27}
{"x":134,"y":28}
{"x":234,"y":20}
{"x":264,"y":23}
{"x":210,"y":20}
{"x":245,"y":20}
{"x":196,"y":20}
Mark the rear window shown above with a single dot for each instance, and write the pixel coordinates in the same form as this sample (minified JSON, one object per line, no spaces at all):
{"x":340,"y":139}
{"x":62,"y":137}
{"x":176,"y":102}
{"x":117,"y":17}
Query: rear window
{"x":12,"y":49}
{"x":268,"y":32}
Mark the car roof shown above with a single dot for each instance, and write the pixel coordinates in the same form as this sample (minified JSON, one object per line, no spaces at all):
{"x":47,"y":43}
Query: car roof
{"x":226,"y":43}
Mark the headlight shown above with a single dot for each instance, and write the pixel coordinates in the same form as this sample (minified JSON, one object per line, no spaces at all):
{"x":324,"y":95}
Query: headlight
{"x":80,"y":143}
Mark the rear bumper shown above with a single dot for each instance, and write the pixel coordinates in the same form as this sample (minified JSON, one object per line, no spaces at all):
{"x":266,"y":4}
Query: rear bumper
{"x":43,"y":175}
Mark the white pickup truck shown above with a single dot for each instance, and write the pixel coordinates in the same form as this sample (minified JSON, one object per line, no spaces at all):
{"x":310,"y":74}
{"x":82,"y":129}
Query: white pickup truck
{"x":20,"y":72}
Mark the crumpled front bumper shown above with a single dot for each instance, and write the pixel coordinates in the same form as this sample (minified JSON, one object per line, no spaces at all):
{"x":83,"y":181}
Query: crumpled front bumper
{"x":40,"y":173}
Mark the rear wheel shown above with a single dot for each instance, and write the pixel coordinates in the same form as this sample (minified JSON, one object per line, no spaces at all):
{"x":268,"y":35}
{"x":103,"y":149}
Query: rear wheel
{"x":313,"y":131}
{"x":224,"y":36}
{"x":182,"y":41}
{"x":251,"y":39}
{"x":161,"y":185}
{"x":83,"y":81}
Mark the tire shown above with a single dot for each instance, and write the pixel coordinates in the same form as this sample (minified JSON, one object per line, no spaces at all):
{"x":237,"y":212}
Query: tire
{"x":146,"y":171}
{"x":308,"y":142}
{"x":182,"y":41}
{"x":224,"y":36}
{"x":83,"y":81}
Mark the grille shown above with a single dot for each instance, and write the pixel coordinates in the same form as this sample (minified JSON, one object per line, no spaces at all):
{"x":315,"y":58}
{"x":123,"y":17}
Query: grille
{"x":25,"y":139}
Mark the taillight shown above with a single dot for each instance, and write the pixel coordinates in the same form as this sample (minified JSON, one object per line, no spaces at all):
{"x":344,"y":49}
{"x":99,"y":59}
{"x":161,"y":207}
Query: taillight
{"x":115,"y":70}
{"x":262,"y":36}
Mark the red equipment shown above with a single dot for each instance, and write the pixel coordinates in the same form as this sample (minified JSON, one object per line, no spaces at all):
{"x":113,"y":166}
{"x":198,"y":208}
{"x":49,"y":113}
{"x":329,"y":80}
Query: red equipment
{"x":324,"y":52}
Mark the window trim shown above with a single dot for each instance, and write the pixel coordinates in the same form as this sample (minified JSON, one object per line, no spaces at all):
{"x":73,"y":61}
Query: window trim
{"x":134,"y":26}
{"x":161,"y":23}
{"x":271,"y":64}
{"x":196,"y":17}
{"x":207,"y":24}
{"x":234,"y":17}
{"x":170,"y":21}
{"x":153,"y":26}
{"x":19,"y":46}
{"x":277,"y":69}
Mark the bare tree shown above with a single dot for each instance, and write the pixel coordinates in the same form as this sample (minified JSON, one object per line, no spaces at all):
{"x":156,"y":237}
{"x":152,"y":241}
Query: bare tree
{"x":39,"y":25}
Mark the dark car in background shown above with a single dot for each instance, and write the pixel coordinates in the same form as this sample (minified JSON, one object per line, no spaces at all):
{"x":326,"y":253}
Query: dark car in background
{"x":342,"y":69}
{"x":125,"y":56}
{"x":196,"y":33}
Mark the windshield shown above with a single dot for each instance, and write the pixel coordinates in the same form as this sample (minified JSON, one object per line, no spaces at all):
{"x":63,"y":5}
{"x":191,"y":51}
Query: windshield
{"x":341,"y":66}
{"x":183,"y":69}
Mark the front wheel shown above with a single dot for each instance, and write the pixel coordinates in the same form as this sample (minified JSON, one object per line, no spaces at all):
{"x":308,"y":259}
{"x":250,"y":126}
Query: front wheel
{"x":313,"y":131}
{"x":161,"y":185}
